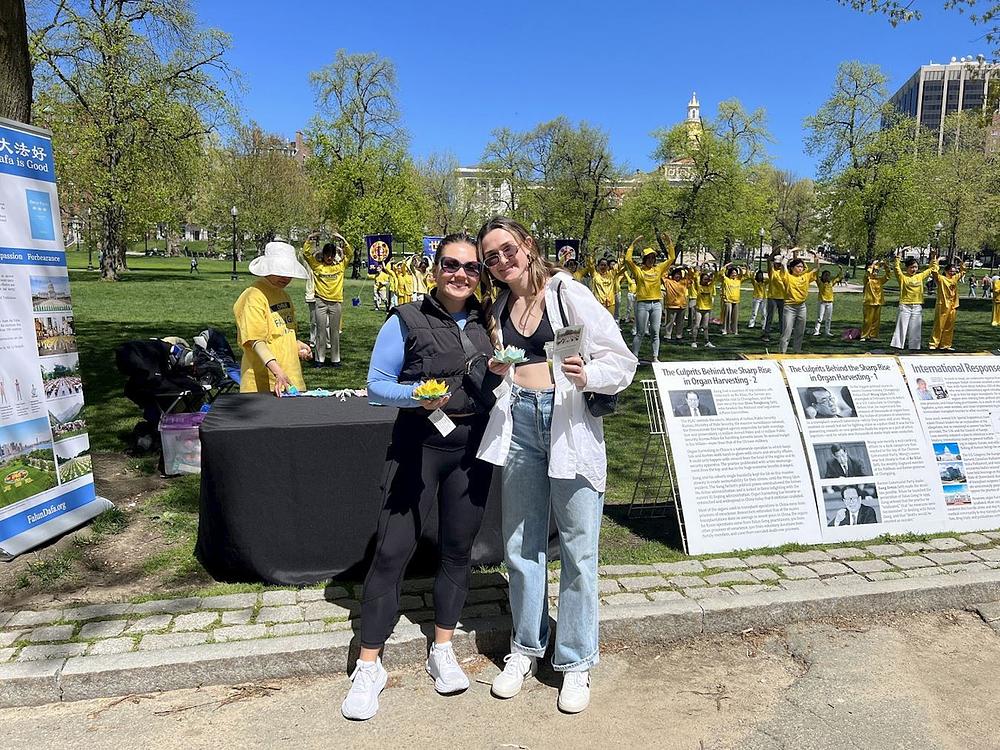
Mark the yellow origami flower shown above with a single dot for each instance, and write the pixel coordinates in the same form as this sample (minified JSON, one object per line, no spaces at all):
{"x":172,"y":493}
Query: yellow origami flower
{"x":430,"y":390}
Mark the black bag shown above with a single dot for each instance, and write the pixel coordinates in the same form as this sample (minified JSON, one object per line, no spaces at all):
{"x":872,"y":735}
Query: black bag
{"x":599,"y":404}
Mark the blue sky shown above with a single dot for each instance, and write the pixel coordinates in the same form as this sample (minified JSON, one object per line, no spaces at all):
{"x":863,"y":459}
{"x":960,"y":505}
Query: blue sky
{"x":465,"y":68}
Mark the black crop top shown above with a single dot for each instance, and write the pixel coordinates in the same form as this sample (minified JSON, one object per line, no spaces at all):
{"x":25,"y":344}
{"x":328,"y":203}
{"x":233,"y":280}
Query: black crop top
{"x":533,"y":345}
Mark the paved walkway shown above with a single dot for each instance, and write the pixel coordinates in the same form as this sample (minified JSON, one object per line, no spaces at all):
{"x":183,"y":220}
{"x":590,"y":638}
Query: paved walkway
{"x":49,"y":645}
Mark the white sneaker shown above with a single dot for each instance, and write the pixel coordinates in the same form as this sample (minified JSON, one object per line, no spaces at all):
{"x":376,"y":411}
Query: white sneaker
{"x":709,"y":344}
{"x":443,"y":667}
{"x":574,"y":696}
{"x":815,"y":333}
{"x":694,"y":344}
{"x":368,"y":680}
{"x":517,"y":666}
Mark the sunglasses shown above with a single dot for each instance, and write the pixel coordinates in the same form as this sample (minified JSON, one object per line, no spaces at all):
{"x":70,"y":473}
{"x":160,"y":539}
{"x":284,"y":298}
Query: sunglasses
{"x":450,"y":266}
{"x":507,"y":251}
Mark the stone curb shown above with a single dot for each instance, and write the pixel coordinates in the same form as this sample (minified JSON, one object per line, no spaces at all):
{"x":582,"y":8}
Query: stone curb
{"x":85,"y":677}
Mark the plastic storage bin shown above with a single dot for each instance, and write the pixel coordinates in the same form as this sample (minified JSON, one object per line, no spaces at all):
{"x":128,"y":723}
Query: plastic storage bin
{"x":181,"y":443}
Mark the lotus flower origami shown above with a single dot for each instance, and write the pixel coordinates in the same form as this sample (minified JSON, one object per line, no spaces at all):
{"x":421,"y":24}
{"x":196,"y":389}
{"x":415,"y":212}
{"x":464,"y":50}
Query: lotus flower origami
{"x":430,"y":390}
{"x":510,"y":355}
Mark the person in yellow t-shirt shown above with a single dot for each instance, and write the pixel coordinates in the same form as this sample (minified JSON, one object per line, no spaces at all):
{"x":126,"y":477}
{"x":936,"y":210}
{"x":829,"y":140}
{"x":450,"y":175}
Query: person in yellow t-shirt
{"x":873,"y":298}
{"x":328,"y":267}
{"x":946,"y":307}
{"x":996,"y":301}
{"x":676,"y":284}
{"x":775,"y":296}
{"x":648,"y":299}
{"x":703,"y":283}
{"x":381,"y":291}
{"x":418,"y":271}
{"x":732,"y":285}
{"x":824,"y":312}
{"x":404,"y":283}
{"x":605,"y":284}
{"x":266,"y":326}
{"x":627,"y":306}
{"x":797,"y":281}
{"x":759,"y":305}
{"x":911,"y":301}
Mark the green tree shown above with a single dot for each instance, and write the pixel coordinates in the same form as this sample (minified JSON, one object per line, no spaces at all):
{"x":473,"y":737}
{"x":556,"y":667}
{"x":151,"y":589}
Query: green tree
{"x":364,"y":178}
{"x":130,"y":88}
{"x":450,"y":201}
{"x":961,"y":183}
{"x":866,"y":170}
{"x":255,"y":173}
{"x":15,"y":61}
{"x":794,"y":201}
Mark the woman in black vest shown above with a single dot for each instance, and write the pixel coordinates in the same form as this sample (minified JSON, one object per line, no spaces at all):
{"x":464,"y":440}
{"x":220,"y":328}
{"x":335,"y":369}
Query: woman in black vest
{"x":441,"y":337}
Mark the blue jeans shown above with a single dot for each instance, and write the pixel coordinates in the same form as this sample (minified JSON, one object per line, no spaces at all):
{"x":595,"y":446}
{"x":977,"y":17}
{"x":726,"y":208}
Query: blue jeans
{"x":529,"y":496}
{"x":647,"y":312}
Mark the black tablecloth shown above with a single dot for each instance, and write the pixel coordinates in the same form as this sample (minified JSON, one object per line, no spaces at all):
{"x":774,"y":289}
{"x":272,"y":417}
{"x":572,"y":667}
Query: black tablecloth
{"x":290,"y":491}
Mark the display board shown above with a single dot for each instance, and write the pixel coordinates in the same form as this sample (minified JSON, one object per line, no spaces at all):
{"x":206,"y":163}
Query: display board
{"x":431,"y":246}
{"x":958,"y":402}
{"x":379,"y":247}
{"x":872,"y":470}
{"x":46,"y":482}
{"x":740,"y":466}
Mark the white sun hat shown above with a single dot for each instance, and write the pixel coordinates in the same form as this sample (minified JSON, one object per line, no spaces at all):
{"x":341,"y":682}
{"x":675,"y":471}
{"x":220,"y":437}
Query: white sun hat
{"x":278,"y":260}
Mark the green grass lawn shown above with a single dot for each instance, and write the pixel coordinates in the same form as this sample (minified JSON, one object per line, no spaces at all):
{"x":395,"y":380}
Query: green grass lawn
{"x":158,"y":297}
{"x":34,"y":481}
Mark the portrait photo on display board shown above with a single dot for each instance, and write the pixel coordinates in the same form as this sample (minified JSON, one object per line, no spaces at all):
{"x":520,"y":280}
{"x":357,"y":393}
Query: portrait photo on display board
{"x":851,"y":504}
{"x":693,"y":403}
{"x":827,"y":402}
{"x":842,"y":460}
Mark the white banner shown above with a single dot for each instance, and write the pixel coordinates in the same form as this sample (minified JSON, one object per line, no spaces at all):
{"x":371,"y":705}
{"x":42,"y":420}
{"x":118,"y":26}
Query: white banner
{"x":742,"y":475}
{"x":46,"y":484}
{"x":872,"y":469}
{"x":958,"y":400}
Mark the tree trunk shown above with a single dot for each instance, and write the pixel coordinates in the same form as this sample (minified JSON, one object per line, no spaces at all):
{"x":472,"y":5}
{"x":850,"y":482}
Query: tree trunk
{"x":16,"y":82}
{"x":112,"y":245}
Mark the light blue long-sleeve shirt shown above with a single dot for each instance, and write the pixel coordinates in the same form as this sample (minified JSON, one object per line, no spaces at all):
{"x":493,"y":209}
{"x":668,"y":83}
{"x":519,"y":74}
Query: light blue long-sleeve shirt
{"x":384,"y":388}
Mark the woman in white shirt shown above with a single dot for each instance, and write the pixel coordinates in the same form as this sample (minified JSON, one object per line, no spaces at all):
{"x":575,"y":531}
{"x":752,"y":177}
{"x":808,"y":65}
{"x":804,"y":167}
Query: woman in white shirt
{"x":552,"y":452}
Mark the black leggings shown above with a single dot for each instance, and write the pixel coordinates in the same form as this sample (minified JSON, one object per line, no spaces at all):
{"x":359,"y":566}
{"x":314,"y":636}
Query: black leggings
{"x":424,"y":467}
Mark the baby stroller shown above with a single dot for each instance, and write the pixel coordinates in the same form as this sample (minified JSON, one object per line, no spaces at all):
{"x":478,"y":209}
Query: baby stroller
{"x":213,"y":354}
{"x":158,"y":383}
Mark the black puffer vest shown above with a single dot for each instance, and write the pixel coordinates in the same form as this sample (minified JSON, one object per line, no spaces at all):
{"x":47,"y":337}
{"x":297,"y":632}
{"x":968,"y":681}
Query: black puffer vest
{"x":433,"y":349}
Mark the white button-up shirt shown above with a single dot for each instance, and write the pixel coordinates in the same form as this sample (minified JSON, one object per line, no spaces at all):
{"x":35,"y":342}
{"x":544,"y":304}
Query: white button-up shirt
{"x":577,"y":446}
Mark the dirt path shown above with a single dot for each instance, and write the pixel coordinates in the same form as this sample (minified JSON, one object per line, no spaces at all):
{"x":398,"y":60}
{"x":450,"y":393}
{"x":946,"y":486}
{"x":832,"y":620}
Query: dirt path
{"x":909,"y":682}
{"x":73,"y":570}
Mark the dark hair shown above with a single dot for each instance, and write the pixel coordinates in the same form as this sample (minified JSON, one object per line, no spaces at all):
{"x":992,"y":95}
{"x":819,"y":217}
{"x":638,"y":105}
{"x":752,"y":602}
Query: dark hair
{"x":911,"y":261}
{"x":837,"y":448}
{"x":452,"y":239}
{"x":676,"y":271}
{"x":847,"y":487}
{"x":795,"y":262}
{"x":759,"y":276}
{"x":731,"y":269}
{"x":813,"y":390}
{"x":331,"y":248}
{"x":706,"y":275}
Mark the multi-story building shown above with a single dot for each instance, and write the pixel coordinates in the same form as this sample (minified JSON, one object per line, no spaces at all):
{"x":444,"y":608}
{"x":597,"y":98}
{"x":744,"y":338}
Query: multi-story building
{"x":938,"y":90}
{"x":489,"y":194}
